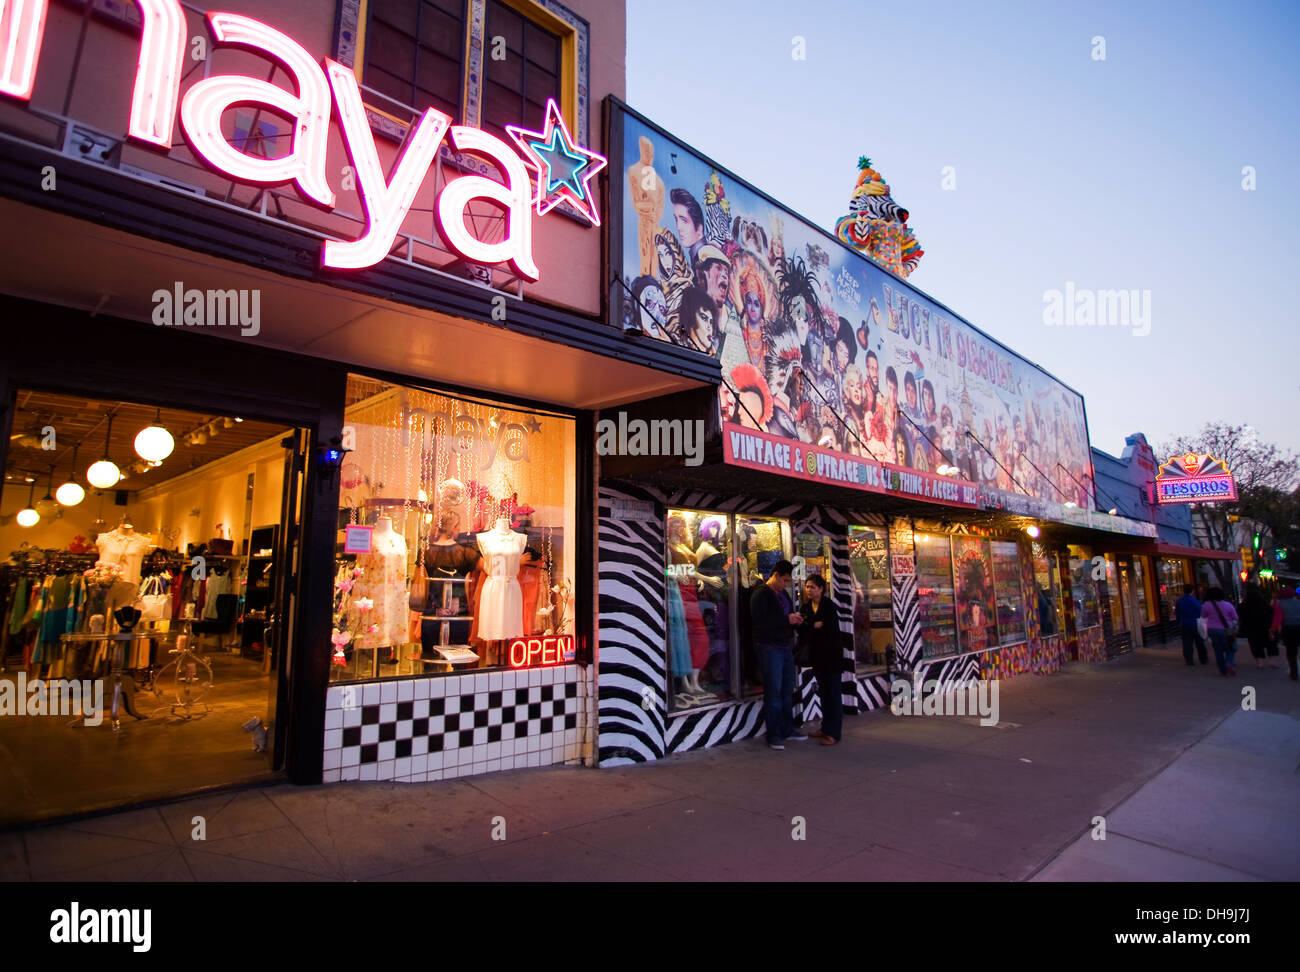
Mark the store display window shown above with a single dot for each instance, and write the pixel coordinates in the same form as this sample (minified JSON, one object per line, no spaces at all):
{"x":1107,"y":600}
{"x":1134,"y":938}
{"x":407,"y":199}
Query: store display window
{"x":455,"y":548}
{"x":1083,"y":588}
{"x":1114,"y":595}
{"x":873,"y":615}
{"x":812,"y":555}
{"x":976,"y":610}
{"x":1146,"y":604}
{"x":934,"y":589}
{"x":713,"y":564}
{"x":1171,"y":578}
{"x":1051,"y":609}
{"x":1007,"y":590}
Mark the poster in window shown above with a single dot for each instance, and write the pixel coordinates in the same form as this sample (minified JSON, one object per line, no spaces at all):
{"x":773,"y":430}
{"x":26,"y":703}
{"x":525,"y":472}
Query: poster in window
{"x":935,"y":596}
{"x":973,"y":569}
{"x":1006,"y":587}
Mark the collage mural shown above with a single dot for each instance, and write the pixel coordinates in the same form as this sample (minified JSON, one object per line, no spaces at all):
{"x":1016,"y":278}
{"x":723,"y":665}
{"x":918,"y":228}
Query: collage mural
{"x":819,"y":346}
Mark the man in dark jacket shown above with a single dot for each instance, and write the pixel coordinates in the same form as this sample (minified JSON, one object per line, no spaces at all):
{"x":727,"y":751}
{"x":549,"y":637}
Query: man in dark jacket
{"x":775,"y":623}
{"x":1186,"y":611}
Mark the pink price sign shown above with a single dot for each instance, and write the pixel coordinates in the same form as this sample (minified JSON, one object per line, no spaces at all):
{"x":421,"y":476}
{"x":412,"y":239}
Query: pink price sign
{"x":358,"y":539}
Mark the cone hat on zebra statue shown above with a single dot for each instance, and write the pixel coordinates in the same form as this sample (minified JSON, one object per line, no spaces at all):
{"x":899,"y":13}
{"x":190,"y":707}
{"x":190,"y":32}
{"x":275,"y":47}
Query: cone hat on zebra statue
{"x":877,"y":226}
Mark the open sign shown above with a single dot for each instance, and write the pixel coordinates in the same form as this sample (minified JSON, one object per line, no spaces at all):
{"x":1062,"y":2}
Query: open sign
{"x":548,"y":650}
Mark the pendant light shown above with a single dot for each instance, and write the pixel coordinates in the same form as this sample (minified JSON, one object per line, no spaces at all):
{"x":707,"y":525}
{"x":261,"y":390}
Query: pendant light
{"x":104,"y":473}
{"x":71,"y":493}
{"x":47,"y":504}
{"x":29,"y":517}
{"x":154,"y":443}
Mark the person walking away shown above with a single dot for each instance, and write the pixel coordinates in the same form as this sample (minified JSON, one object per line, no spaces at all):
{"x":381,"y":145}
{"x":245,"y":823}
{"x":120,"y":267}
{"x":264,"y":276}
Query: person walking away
{"x":1186,"y":612}
{"x":775,"y":622}
{"x":1256,"y":620}
{"x":821,"y":631}
{"x":1286,"y":624}
{"x":1221,"y":620}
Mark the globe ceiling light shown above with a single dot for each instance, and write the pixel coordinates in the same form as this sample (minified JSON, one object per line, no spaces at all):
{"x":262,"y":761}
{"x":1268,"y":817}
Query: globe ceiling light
{"x":104,"y":473}
{"x":27,"y":516}
{"x":71,"y":493}
{"x":153,"y":443}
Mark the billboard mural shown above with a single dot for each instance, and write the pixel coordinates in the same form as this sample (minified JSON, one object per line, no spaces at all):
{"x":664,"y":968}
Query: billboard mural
{"x":820,"y":347}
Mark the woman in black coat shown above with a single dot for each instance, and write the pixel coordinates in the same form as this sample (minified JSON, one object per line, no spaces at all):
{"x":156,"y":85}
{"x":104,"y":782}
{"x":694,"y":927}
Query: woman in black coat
{"x":1256,"y":615}
{"x":821,"y":632}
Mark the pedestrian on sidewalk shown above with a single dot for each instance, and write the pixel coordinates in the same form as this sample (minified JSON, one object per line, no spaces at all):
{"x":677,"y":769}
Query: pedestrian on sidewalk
{"x":775,"y":622}
{"x":1221,"y":620}
{"x":821,"y":631}
{"x":1186,"y":611}
{"x":1256,"y":620}
{"x":1286,"y":624}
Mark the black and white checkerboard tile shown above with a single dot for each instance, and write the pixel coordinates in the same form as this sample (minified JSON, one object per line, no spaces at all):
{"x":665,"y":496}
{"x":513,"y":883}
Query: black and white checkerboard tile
{"x":413,"y":730}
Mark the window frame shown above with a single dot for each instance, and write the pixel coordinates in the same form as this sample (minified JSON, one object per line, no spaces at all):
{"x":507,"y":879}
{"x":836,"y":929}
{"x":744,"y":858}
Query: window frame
{"x":573,"y":31}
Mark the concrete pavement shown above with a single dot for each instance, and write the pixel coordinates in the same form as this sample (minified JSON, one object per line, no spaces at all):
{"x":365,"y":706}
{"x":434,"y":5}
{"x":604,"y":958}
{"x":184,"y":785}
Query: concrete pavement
{"x":1191,"y":787}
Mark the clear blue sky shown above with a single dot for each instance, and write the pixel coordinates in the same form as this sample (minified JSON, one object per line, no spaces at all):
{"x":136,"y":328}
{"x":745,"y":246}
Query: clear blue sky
{"x":1124,"y":173}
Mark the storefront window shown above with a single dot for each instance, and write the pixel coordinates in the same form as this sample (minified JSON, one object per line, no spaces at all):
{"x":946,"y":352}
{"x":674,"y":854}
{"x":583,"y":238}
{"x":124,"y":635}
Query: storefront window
{"x":763,"y":541}
{"x":1114,"y":595}
{"x":1083,"y":590}
{"x":456,"y":531}
{"x":973,"y":570}
{"x":1006,"y":587}
{"x":1051,"y":612}
{"x":1172,"y":577}
{"x":935,"y":595}
{"x":699,"y":599}
{"x":873,"y":617}
{"x":1146,"y":608}
{"x":812,"y":555}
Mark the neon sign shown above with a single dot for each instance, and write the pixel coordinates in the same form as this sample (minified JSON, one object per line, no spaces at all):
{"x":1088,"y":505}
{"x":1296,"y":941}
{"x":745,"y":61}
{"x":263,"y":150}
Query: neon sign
{"x":1195,"y":478}
{"x":548,"y":650}
{"x":387,"y":200}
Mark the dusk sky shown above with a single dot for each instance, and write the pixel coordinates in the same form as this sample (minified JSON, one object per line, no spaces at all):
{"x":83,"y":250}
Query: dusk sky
{"x":1117,"y":174}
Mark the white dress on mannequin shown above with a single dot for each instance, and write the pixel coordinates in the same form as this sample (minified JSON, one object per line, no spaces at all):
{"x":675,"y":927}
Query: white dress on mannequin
{"x":501,"y":604}
{"x":383,"y":581}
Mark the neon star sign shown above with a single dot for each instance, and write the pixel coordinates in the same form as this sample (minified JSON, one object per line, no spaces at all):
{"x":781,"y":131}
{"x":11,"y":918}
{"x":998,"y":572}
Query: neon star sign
{"x":564,"y":169}
{"x":321,"y":87}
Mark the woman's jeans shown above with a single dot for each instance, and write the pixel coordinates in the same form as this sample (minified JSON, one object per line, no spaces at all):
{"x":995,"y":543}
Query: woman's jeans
{"x":778,"y":689}
{"x":830,"y":689}
{"x":1225,"y":649}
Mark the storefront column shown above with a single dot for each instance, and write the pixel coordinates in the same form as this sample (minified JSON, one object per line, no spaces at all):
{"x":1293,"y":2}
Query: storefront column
{"x":906,"y":606}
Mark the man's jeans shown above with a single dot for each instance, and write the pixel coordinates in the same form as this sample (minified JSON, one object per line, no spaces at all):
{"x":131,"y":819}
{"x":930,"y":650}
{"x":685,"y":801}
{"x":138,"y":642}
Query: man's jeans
{"x":1193,"y":637}
{"x":1225,"y":650}
{"x":778,"y":689}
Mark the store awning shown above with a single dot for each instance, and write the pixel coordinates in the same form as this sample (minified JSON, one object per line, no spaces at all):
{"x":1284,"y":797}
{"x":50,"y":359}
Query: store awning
{"x":1159,"y":548}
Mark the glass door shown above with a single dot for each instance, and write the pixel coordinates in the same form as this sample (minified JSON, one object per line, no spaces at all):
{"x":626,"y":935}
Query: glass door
{"x":283,"y":583}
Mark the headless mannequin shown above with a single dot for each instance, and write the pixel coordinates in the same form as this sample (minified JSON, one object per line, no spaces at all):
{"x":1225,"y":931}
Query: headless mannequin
{"x":500,"y":608}
{"x":688,"y":684}
{"x":447,"y":559}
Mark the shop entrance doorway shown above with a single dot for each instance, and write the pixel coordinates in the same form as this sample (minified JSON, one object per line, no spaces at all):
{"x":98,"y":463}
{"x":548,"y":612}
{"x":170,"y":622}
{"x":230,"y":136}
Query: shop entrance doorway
{"x":148,"y":580}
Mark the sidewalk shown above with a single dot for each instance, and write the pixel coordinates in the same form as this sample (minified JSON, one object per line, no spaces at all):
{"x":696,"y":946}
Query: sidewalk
{"x":1192,"y":788}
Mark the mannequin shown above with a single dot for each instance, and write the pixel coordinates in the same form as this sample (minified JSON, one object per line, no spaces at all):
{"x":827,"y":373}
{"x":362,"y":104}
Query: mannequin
{"x":447,"y":561}
{"x":383,"y":581}
{"x":501,"y":604}
{"x":688,"y":639}
{"x":126,"y":547}
{"x":711,"y":568}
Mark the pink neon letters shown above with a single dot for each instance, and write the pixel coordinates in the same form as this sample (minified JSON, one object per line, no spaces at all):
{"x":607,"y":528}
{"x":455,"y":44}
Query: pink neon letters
{"x":387,"y":202}
{"x":208,"y":100}
{"x":157,"y":76}
{"x":516,"y":196}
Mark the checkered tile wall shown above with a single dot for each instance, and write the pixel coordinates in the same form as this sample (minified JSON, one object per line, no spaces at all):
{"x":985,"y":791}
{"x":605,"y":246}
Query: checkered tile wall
{"x":413,"y":730}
